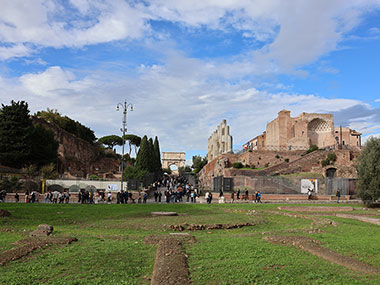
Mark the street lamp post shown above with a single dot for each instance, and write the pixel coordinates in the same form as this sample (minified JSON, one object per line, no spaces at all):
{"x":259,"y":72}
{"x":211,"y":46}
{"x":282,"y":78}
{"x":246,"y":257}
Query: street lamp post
{"x":125,"y":107}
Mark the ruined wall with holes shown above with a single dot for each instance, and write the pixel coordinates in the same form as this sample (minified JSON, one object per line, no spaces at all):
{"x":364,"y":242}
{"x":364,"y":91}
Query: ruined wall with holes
{"x":299,"y":133}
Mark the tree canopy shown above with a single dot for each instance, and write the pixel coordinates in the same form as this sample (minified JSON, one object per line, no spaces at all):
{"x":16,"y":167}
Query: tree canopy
{"x":21,"y":142}
{"x":147,"y":160}
{"x":198,"y":163}
{"x":111,"y":141}
{"x":15,"y":133}
{"x":132,"y":140}
{"x":369,"y":172}
{"x":69,"y":125}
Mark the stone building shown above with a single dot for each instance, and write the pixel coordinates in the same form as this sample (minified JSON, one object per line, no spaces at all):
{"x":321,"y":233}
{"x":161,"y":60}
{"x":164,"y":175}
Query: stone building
{"x":220,"y":142}
{"x":299,"y":133}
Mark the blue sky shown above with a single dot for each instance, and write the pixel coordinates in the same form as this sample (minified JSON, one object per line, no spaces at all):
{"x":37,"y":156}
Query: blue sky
{"x":187,"y":65}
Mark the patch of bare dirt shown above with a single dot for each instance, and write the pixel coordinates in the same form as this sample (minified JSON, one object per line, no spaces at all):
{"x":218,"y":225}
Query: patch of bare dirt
{"x":360,"y":218}
{"x":170,"y":266}
{"x":199,"y":227}
{"x":5,"y":213}
{"x":315,"y":209}
{"x":28,"y":245}
{"x":314,"y":247}
{"x":317,"y":221}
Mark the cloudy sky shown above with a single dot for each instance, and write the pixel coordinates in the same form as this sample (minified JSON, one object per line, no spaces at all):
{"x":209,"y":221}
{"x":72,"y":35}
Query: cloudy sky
{"x":187,"y":65}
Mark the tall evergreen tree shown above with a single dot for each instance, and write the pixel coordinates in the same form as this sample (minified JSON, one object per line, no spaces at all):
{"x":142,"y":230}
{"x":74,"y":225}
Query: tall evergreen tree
{"x":158,"y":165}
{"x":143,"y":156}
{"x":15,"y":133}
{"x":152,"y":160}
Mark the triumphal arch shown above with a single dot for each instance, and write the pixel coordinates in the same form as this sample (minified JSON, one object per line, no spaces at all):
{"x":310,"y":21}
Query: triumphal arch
{"x":173,"y":158}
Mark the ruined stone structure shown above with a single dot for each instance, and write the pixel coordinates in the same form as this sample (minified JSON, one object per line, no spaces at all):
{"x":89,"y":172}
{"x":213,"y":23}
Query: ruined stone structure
{"x":299,"y":133}
{"x":79,"y":158}
{"x":173,"y":158}
{"x":220,"y":142}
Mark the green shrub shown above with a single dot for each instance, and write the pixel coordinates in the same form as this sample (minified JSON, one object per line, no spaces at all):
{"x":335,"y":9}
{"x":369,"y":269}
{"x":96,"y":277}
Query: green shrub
{"x":331,"y":157}
{"x":237,"y":165}
{"x":312,"y":148}
{"x":325,"y":162}
{"x":286,"y":160}
{"x":252,"y":166}
{"x":94,"y":177}
{"x":369,"y":172}
{"x":277,"y":156}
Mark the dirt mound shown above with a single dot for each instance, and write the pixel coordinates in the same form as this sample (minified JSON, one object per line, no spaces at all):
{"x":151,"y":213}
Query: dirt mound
{"x":198,"y":227}
{"x":170,"y":266}
{"x":315,"y":209}
{"x":314,"y":247}
{"x":360,"y":218}
{"x":5,"y":213}
{"x":160,"y":214}
{"x":30,"y":244}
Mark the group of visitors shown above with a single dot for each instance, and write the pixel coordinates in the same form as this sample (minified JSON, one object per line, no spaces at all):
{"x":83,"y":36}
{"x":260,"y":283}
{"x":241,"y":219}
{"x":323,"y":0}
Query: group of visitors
{"x":257,"y":196}
{"x":56,"y":197}
{"x":177,"y":189}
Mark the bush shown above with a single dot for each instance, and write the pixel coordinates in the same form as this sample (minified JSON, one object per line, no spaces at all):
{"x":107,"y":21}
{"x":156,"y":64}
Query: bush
{"x":94,"y":177}
{"x":369,"y":172}
{"x":277,"y":156}
{"x":237,"y":165}
{"x":252,"y":166}
{"x":325,"y":162}
{"x":331,"y":157}
{"x":266,"y":164}
{"x":286,"y":160}
{"x":312,"y":148}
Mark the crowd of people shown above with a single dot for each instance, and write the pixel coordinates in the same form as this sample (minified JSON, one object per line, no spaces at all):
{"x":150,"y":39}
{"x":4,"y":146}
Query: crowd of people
{"x":169,"y":189}
{"x":174,"y":190}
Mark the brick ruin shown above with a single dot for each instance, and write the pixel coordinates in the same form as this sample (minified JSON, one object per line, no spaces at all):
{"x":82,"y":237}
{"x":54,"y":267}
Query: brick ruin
{"x":79,"y":158}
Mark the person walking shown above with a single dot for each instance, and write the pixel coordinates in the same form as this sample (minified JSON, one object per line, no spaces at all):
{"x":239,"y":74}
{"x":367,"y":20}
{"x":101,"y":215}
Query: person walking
{"x":238,"y":194}
{"x":338,"y":196}
{"x":17,"y":197}
{"x":258,"y":197}
{"x":232,"y":196}
{"x":246,"y":195}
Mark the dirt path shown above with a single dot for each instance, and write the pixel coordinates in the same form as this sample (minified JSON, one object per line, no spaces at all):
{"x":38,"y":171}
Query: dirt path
{"x":360,"y":218}
{"x":314,"y":248}
{"x":170,"y":266}
{"x":28,"y":245}
{"x":315,"y":209}
{"x":200,"y":227}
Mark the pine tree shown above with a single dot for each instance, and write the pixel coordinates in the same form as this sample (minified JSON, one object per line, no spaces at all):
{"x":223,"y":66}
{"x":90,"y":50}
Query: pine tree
{"x":152,"y":160}
{"x":15,"y":133}
{"x":158,"y":165}
{"x":143,"y":156}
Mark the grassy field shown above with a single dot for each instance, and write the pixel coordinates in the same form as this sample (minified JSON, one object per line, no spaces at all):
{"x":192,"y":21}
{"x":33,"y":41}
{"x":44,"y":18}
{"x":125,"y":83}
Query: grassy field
{"x":111,"y":248}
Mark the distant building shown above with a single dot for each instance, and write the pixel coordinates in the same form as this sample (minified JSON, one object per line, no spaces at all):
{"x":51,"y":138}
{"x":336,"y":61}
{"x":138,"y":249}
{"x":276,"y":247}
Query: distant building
{"x":220,"y":141}
{"x":299,"y":133}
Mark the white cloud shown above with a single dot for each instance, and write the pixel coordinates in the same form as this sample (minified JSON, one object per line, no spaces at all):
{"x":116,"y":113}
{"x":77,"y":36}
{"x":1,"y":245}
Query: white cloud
{"x":50,"y":24}
{"x":294,"y":33}
{"x":182,"y":107}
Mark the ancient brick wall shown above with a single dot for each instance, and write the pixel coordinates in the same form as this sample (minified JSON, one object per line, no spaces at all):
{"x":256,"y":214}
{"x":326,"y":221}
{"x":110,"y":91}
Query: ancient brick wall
{"x":77,"y":157}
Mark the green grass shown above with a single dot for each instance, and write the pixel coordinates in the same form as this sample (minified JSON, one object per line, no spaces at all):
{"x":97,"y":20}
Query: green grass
{"x":110,"y":247}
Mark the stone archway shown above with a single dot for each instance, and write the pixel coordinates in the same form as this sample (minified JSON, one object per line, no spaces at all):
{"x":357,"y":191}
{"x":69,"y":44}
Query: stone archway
{"x":319,"y":132}
{"x":173,"y":158}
